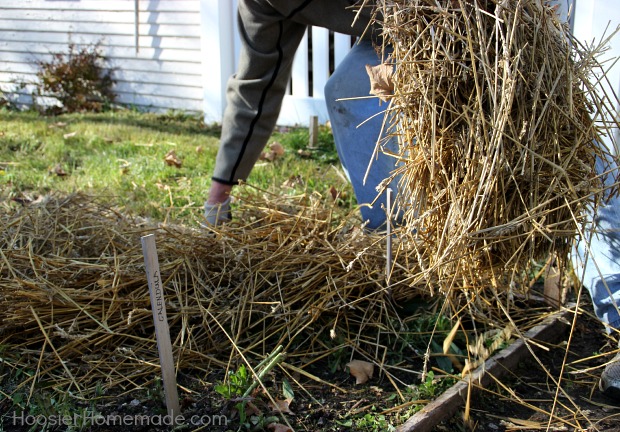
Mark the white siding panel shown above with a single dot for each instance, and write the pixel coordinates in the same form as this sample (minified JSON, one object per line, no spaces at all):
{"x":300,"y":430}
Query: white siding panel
{"x":182,"y":43}
{"x":156,"y":103}
{"x":182,"y":80}
{"x":108,"y":16}
{"x":165,"y":73}
{"x":102,"y":5}
{"x":101,"y":28}
{"x":33,"y":50}
{"x":162,"y":90}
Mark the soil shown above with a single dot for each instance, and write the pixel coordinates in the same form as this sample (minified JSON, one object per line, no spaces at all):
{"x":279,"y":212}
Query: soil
{"x":522,"y":401}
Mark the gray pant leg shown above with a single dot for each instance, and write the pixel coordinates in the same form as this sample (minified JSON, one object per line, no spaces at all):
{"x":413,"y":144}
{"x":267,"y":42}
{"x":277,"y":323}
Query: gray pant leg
{"x":270,"y":34}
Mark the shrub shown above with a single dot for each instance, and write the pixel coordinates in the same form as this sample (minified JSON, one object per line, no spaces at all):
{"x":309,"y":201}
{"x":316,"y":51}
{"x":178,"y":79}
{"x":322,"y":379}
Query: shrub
{"x":77,"y":79}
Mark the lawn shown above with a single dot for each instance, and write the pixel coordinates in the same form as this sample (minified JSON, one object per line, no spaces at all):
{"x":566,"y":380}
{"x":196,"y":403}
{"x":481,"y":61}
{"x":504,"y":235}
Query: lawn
{"x":151,"y":165}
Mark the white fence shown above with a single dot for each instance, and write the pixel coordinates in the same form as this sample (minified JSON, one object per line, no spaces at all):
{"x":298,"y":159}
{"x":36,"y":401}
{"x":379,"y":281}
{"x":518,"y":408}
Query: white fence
{"x":188,"y":49}
{"x":165,"y":73}
{"x":311,"y":68}
{"x":166,"y":54}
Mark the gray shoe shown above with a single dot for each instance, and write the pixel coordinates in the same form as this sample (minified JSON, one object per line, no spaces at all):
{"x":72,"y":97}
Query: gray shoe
{"x":610,"y":378}
{"x":217,"y":214}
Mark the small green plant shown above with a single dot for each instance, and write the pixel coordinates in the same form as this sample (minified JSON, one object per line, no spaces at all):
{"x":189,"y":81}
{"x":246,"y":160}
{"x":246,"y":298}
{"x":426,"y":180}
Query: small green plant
{"x":374,"y":423}
{"x":47,"y":410}
{"x":240,"y":386}
{"x":77,"y":79}
{"x":236,"y":384}
{"x":429,"y":389}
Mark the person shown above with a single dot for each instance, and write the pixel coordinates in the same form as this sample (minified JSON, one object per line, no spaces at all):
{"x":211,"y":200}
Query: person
{"x":271,"y":31}
{"x":596,"y":258}
{"x":596,"y":262}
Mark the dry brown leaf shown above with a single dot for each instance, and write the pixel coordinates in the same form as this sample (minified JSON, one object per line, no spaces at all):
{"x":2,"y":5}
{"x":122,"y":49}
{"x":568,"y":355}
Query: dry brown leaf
{"x":278,"y":427}
{"x":292,"y":181}
{"x":172,"y":159}
{"x":381,"y":83}
{"x":334,"y":192}
{"x":58,"y":170}
{"x":276,"y":148}
{"x":281,"y":406}
{"x":304,"y":153}
{"x":69,"y":135}
{"x":251,"y":410}
{"x":361,"y":370}
{"x":267,"y":156}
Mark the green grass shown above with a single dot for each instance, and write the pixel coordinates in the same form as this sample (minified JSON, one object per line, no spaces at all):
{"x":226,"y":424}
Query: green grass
{"x":120,"y":155}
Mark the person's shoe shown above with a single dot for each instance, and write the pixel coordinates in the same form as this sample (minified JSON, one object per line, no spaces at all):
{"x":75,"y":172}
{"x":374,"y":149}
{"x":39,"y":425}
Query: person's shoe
{"x":610,"y":378}
{"x":217,"y":214}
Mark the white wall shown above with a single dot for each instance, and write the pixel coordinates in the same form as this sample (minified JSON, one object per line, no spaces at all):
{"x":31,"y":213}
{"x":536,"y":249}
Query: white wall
{"x":188,"y":49}
{"x":594,"y":21}
{"x":165,"y":73}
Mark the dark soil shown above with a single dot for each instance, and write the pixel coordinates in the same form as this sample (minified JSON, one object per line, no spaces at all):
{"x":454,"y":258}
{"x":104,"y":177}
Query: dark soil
{"x":502,"y":407}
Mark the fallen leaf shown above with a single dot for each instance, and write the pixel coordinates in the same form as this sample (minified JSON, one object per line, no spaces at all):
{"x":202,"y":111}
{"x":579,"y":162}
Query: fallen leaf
{"x":278,"y":427}
{"x":172,"y":159}
{"x":267,"y":156}
{"x":276,"y":148}
{"x":199,"y":149}
{"x":304,"y":153}
{"x":58,"y":170}
{"x":69,"y":135}
{"x":334,"y":193}
{"x":377,"y":390}
{"x":252,"y":410}
{"x":381,"y":83}
{"x":287,"y":390}
{"x":361,"y":370}
{"x":292,"y":181}
{"x":281,"y":406}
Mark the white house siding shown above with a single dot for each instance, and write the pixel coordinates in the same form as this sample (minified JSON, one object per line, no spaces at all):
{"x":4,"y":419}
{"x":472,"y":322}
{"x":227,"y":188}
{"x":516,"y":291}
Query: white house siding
{"x":188,"y":49}
{"x":596,"y":21}
{"x":165,"y":73}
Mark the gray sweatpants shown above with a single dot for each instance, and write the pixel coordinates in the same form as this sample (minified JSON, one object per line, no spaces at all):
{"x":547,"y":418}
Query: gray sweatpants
{"x":270,"y":31}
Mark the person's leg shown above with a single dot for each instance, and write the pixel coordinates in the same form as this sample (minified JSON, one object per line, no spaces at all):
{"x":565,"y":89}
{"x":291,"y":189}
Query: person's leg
{"x":597,"y":262}
{"x":270,"y":34}
{"x":597,"y":257}
{"x":254,"y":94}
{"x":357,"y":126}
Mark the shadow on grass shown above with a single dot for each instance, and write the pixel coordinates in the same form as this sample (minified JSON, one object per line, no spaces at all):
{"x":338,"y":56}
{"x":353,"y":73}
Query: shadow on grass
{"x":170,"y":122}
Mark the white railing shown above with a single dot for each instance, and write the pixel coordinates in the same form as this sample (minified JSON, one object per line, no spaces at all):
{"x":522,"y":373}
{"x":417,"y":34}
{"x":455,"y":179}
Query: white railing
{"x":305,"y":96}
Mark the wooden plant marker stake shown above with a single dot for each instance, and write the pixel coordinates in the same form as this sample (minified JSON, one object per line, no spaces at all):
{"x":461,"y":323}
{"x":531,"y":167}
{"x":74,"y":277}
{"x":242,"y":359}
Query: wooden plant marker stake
{"x":313,"y":129}
{"x":388,"y":261}
{"x":162,"y":330}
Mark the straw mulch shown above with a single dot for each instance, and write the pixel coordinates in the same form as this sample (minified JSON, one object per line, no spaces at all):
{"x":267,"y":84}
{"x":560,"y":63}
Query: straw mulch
{"x":493,"y":109}
{"x":75,"y":299}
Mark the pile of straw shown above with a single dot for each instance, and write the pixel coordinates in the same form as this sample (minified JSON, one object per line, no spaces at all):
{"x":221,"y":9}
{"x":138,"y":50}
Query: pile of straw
{"x":493,"y":110}
{"x":75,"y":299}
